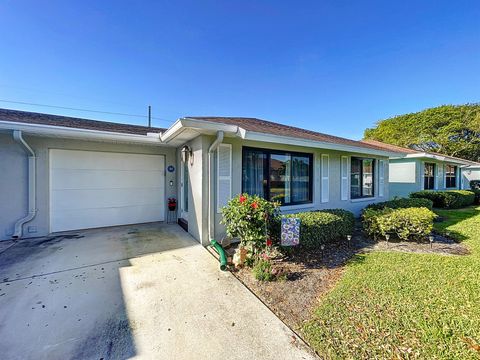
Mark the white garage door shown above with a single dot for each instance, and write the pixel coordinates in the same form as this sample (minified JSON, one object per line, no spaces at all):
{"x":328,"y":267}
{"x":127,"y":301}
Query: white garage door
{"x":91,"y":189}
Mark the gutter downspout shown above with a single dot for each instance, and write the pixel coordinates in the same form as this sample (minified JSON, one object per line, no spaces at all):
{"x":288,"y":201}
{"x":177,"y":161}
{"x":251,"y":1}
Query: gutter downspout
{"x":32,"y":161}
{"x":211,"y":213}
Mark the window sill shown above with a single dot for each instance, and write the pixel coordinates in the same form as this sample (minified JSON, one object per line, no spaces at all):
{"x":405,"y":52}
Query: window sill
{"x":363,"y":199}
{"x":297,"y":207}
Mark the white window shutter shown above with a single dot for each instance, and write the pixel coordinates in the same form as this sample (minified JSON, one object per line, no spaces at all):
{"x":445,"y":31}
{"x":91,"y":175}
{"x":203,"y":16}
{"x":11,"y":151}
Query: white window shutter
{"x":344,"y":181}
{"x":440,"y":180}
{"x":381,"y":177}
{"x":444,"y":176}
{"x":325,"y":178}
{"x":224,"y":175}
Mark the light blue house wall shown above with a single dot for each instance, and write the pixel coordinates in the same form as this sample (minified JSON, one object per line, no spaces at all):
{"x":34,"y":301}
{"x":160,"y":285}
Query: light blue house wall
{"x":406,"y":176}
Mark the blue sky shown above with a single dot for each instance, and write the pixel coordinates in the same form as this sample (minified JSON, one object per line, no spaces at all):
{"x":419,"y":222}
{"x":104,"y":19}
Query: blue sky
{"x":331,"y":66}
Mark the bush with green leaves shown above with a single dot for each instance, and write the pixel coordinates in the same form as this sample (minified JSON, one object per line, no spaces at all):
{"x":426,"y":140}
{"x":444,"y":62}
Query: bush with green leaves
{"x":449,"y":199}
{"x":320,"y":227}
{"x":248,"y":218}
{"x":262,"y":270}
{"x":477,"y":195}
{"x":402,"y":203}
{"x":405,"y":224}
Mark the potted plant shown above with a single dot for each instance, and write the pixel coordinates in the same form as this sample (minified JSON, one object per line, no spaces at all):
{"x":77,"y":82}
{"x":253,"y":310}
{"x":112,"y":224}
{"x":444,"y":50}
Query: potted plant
{"x":172,"y":204}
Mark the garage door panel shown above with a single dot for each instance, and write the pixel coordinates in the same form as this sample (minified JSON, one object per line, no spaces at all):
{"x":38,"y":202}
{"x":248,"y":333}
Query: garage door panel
{"x":94,"y":189}
{"x":104,"y":198}
{"x":103,"y":179}
{"x":71,"y":159}
{"x":92,"y":218}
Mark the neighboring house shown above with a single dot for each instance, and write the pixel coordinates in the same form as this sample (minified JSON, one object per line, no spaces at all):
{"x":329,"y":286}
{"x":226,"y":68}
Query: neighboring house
{"x":61,"y":173}
{"x":470,"y":173}
{"x":419,"y":170}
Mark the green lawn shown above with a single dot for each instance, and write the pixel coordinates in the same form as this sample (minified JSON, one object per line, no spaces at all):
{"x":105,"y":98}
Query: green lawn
{"x":395,"y":305}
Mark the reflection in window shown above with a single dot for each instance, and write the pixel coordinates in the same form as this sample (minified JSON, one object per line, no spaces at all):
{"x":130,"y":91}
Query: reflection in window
{"x":450,"y":176}
{"x":278,"y":176}
{"x":362,"y":178}
{"x":429,"y":176}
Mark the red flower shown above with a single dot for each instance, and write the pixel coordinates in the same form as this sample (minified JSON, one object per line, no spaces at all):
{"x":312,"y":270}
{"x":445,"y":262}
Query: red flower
{"x":242,"y":199}
{"x":269,"y":242}
{"x":254,"y":205}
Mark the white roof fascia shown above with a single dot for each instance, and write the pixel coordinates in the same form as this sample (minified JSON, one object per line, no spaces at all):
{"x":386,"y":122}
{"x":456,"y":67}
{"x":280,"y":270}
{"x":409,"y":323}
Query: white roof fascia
{"x":425,"y":155}
{"x":81,"y":134}
{"x":199,"y":125}
{"x":279,"y":139}
{"x":209,"y":126}
{"x":445,"y":158}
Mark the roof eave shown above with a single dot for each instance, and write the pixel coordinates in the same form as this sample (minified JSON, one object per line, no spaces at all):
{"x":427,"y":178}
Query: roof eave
{"x":80,"y":134}
{"x":437,"y":157}
{"x":257,"y":136}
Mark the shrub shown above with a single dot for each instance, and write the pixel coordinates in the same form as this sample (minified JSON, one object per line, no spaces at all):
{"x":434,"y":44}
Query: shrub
{"x":451,"y":199}
{"x":321,"y":227}
{"x":477,"y":195}
{"x":262,"y":270}
{"x":402,"y":203}
{"x":247,"y":217}
{"x":474,"y":184}
{"x":406,"y":224}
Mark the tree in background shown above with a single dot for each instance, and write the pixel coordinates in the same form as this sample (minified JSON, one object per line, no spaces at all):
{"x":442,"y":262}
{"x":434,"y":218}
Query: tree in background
{"x":449,"y":129}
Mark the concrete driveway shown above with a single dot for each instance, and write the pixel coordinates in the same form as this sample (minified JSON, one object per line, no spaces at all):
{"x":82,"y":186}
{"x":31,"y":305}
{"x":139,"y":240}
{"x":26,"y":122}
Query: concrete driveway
{"x":145,"y":291}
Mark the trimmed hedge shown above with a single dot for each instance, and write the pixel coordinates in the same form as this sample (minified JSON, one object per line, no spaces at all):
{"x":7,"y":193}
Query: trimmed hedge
{"x":405,"y":224}
{"x":450,"y":199}
{"x":402,"y":203}
{"x":322,"y":227}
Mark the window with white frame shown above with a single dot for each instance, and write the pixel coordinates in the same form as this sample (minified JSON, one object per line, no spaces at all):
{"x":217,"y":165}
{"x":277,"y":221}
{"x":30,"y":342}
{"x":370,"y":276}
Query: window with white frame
{"x":362,"y":178}
{"x":450,"y":176}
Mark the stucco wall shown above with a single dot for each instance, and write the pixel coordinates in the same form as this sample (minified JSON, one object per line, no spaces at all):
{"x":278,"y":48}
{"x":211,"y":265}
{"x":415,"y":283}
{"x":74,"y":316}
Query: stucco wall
{"x":197,"y":188}
{"x":335,"y":178}
{"x":404,"y":177}
{"x":13,"y":179}
{"x":401,"y":179}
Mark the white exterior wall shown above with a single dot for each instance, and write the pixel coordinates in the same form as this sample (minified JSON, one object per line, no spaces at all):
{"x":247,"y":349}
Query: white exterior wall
{"x":198,"y":188}
{"x":13,"y":178}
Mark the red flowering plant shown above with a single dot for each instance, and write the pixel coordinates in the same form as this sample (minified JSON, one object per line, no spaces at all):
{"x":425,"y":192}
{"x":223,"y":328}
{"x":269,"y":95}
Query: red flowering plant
{"x":247,"y":217}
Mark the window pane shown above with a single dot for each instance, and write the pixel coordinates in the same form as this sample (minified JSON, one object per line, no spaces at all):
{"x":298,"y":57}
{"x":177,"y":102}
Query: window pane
{"x":451,"y":174}
{"x":300,"y":178}
{"x":254,"y":164}
{"x":355,"y":178}
{"x":428,"y":181}
{"x":367,"y":177}
{"x":280,"y":177}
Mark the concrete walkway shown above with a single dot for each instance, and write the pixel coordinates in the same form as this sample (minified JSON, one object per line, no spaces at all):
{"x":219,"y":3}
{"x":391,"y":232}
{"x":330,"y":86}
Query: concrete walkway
{"x":146,"y":291}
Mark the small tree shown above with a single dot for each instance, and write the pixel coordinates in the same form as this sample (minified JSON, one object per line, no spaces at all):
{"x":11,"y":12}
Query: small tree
{"x":247,"y":217}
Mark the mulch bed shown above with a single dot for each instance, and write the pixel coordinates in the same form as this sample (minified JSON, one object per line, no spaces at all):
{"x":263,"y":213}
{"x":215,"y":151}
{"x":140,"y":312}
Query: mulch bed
{"x":311,"y":274}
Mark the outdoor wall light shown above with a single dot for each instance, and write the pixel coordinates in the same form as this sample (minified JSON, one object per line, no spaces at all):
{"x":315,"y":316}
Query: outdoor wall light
{"x":187,"y":154}
{"x":387,"y":237}
{"x":349,"y":238}
{"x":431,"y":238}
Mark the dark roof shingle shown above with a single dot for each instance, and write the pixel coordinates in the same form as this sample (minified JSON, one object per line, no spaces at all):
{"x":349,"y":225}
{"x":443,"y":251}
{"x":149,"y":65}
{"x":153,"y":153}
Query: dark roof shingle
{"x":71,"y":122}
{"x":269,"y":127}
